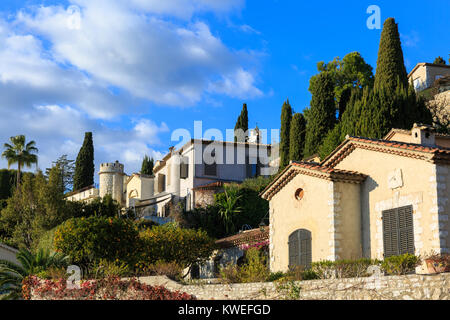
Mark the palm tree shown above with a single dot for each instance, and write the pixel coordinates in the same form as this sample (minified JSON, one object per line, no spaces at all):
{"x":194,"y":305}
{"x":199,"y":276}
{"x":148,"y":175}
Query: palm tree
{"x":21,"y":153}
{"x":12,"y":275}
{"x":228,"y":207}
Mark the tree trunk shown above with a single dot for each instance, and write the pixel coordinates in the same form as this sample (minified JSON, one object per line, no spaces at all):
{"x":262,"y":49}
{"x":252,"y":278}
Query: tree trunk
{"x":18,"y":176}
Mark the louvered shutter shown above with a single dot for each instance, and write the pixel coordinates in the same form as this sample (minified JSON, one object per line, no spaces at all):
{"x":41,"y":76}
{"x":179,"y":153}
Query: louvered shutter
{"x":184,"y":170}
{"x":398,"y":231}
{"x":300,"y":248}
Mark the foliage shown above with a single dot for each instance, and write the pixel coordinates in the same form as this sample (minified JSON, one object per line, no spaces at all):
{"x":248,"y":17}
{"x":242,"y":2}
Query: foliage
{"x":20,"y":152}
{"x":172,"y":270}
{"x":88,"y":240}
{"x":242,"y":124}
{"x":439,"y":60}
{"x":253,"y":209}
{"x":105,"y":269}
{"x":66,"y":168}
{"x":12,"y":275}
{"x":391,"y":71}
{"x":147,"y":166}
{"x":285,"y":131}
{"x":322,"y":115}
{"x":350,"y":73}
{"x":228,"y":206}
{"x":402,"y":264}
{"x":111,"y":288}
{"x":170,"y":243}
{"x":290,"y":289}
{"x":297,"y":137}
{"x":255,"y":268}
{"x":84,"y":165}
{"x":439,"y":261}
{"x":343,"y":268}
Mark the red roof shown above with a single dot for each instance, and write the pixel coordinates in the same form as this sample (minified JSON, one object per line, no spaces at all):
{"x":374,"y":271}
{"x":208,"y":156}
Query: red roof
{"x":246,"y":237}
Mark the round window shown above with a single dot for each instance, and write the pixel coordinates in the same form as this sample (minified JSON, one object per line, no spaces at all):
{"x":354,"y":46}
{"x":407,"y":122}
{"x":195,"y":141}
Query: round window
{"x":299,"y":194}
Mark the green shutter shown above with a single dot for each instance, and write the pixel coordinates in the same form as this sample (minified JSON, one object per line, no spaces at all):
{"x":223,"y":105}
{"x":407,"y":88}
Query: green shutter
{"x":398,"y":231}
{"x":300,"y":249}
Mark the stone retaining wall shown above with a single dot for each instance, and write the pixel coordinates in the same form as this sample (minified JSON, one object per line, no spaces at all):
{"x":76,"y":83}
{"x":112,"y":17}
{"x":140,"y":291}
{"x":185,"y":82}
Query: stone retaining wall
{"x":417,"y":287}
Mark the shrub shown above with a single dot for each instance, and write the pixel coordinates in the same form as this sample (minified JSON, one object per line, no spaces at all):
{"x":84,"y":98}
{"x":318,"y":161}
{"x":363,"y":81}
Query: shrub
{"x":173,"y":244}
{"x":106,"y":269}
{"x":87,"y":240}
{"x":170,"y":269}
{"x":274,"y":276}
{"x":402,"y":264}
{"x":229,"y":274}
{"x":343,"y":268}
{"x":255,"y":267}
{"x":111,"y":288}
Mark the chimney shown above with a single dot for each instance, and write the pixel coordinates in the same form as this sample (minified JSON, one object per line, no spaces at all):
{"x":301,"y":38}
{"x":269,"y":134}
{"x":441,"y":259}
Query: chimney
{"x":423,"y":134}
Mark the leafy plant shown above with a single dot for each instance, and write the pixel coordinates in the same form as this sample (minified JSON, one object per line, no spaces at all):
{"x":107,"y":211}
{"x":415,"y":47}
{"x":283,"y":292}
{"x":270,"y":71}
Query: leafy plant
{"x":88,"y":240}
{"x":228,"y":207}
{"x":402,"y":264}
{"x":170,"y":269}
{"x":12,"y":275}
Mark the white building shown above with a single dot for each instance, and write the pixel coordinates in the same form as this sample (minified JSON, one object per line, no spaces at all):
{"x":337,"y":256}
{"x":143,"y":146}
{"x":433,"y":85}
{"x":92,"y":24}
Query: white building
{"x":179,"y":176}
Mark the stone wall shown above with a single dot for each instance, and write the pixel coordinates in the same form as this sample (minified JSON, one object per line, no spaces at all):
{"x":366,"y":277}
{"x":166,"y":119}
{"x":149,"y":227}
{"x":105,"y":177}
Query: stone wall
{"x":417,"y":287}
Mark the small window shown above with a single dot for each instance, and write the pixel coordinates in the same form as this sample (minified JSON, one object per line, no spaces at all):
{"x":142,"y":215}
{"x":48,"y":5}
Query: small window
{"x":299,"y":194}
{"x":184,"y":170}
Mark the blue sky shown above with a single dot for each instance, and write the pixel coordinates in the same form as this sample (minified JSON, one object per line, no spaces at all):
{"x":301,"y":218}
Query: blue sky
{"x":134,"y":71}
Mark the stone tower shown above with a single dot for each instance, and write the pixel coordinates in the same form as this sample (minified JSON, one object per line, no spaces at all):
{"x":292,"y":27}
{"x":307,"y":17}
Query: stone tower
{"x":111,"y":180}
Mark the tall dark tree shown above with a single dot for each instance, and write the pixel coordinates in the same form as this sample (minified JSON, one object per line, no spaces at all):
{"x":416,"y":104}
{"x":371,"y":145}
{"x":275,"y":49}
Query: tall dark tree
{"x":242,"y":123}
{"x":439,"y":60}
{"x":297,"y":137}
{"x":84,"y":165}
{"x":391,"y":69}
{"x":285,"y":131}
{"x":147,"y":165}
{"x":322,"y":115}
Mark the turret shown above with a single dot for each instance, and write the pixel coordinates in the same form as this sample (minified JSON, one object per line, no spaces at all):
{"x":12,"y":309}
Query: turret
{"x":111,"y":180}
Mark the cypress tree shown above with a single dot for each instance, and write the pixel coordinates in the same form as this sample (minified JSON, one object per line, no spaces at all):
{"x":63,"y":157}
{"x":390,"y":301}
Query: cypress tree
{"x":285,"y":131}
{"x":84,"y":165}
{"x":147,"y":166}
{"x":242,"y":123}
{"x":322,"y":115}
{"x":390,"y":63}
{"x":297,"y":137}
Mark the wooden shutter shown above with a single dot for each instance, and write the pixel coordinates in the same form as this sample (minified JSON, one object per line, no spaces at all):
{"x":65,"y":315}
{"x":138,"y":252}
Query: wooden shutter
{"x":211,"y":169}
{"x":184,"y":170}
{"x":398,"y":231}
{"x":300,"y":249}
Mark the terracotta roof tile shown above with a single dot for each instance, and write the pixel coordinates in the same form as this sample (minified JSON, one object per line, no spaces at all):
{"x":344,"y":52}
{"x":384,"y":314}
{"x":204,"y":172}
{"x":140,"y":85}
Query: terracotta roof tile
{"x":247,"y":237}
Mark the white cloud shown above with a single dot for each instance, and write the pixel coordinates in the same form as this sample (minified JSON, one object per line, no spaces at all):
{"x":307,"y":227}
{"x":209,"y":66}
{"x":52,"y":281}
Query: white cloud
{"x":68,"y":70}
{"x":150,"y":57}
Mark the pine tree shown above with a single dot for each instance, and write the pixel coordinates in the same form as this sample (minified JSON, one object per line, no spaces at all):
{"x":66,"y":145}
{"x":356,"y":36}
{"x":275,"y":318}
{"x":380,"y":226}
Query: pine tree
{"x":84,"y":165}
{"x":285,"y":131}
{"x":147,"y":166}
{"x":439,"y":60}
{"x":322,"y":115}
{"x":390,"y":64}
{"x":297,"y":137}
{"x":242,"y":123}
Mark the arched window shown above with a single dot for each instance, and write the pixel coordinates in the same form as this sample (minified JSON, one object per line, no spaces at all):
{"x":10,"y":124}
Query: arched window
{"x":300,"y":248}
{"x":133,"y":194}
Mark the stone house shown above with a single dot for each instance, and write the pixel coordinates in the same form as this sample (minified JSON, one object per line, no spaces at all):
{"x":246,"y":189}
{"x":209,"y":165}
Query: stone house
{"x":189,"y":176}
{"x":231,"y":250}
{"x":368,"y":198}
{"x":424,"y":75}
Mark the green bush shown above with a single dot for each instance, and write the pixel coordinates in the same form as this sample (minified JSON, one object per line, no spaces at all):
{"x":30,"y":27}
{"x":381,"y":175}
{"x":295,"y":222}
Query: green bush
{"x":88,"y":240}
{"x":255,"y":267}
{"x":403,"y":264}
{"x":343,"y":268}
{"x":106,"y":269}
{"x":170,"y":269}
{"x":173,"y":244}
{"x":274,"y":276}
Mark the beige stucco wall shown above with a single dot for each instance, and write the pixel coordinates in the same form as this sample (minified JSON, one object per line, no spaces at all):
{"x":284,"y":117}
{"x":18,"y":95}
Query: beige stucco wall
{"x":86,"y":195}
{"x":419,"y":189}
{"x":329,"y":213}
{"x":427,"y":75}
